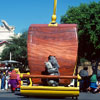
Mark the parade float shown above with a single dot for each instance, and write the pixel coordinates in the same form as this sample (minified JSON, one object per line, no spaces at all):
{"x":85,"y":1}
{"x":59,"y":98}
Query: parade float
{"x":59,"y":41}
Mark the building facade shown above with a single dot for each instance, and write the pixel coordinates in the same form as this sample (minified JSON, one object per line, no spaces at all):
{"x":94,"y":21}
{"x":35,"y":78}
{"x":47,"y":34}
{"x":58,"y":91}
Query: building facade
{"x":6,"y":32}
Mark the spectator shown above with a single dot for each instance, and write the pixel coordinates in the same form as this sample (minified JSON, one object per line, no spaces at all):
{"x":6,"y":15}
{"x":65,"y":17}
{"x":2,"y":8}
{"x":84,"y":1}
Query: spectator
{"x":84,"y":82}
{"x":93,"y":80}
{"x":0,"y":79}
{"x":93,"y":83}
{"x":98,"y":73}
{"x":98,"y":81}
{"x":3,"y":81}
{"x":6,"y":80}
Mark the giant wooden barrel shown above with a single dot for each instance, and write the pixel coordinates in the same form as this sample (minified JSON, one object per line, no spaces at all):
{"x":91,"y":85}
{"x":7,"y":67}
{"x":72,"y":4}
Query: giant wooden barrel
{"x":60,"y":41}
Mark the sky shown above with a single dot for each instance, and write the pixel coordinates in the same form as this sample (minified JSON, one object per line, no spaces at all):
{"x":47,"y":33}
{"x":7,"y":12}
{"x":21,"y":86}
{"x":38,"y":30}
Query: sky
{"x":23,"y":13}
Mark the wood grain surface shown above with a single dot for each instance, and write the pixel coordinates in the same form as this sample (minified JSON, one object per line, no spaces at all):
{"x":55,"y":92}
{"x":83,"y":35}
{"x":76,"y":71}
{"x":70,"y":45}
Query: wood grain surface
{"x":60,"y":41}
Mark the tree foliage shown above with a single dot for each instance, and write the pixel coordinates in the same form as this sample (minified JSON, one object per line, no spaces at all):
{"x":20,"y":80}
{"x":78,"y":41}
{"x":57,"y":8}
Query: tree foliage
{"x":87,"y":16}
{"x":18,"y":48}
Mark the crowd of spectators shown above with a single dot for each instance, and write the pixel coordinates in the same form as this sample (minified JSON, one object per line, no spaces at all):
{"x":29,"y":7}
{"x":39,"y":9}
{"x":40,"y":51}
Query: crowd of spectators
{"x":90,"y":82}
{"x":9,"y":80}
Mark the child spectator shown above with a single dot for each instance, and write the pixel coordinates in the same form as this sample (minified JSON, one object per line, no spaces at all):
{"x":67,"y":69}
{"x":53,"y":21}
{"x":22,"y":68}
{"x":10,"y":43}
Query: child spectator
{"x":93,"y":83}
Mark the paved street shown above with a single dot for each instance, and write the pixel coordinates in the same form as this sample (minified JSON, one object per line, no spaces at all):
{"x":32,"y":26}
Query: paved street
{"x":7,"y":95}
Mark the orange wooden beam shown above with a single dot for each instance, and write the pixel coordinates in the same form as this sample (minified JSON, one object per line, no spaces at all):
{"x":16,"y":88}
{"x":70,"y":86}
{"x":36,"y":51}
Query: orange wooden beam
{"x":50,"y":76}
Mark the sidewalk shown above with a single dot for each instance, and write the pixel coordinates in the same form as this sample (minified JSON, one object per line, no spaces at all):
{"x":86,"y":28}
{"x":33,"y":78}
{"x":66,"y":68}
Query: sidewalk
{"x":4,"y":91}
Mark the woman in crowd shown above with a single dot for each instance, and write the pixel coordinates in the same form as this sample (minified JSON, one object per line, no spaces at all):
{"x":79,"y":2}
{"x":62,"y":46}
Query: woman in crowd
{"x":6,"y":80}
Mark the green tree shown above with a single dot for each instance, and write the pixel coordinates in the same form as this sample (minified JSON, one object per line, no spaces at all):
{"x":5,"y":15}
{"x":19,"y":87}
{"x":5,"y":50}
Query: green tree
{"x":87,"y":17}
{"x":18,"y":47}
